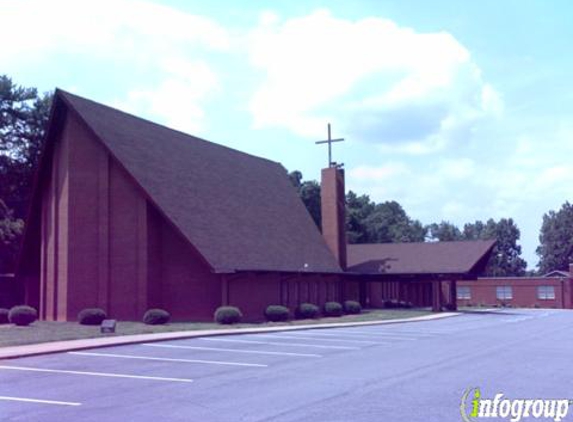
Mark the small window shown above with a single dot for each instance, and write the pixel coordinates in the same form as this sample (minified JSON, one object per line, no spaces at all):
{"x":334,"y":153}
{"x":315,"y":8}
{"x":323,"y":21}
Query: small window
{"x":546,"y":292}
{"x":504,"y":292}
{"x":464,"y":292}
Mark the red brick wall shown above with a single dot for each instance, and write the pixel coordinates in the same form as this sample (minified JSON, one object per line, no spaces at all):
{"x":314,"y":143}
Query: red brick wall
{"x":179,"y":281}
{"x":524,"y":290}
{"x":253,"y":292}
{"x":104,"y":246}
{"x":10,"y":294}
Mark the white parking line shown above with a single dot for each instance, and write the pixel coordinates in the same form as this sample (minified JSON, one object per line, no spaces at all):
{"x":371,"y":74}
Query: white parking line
{"x":391,"y":337}
{"x":217,"y":349}
{"x":280,"y":344}
{"x":397,"y":333}
{"x":207,"y":362}
{"x":290,"y":336}
{"x":94,"y":374}
{"x":23,"y":399}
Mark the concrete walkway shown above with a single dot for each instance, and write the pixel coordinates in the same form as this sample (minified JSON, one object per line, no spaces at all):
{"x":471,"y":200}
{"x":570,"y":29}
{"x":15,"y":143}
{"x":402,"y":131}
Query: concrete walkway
{"x":13,"y":352}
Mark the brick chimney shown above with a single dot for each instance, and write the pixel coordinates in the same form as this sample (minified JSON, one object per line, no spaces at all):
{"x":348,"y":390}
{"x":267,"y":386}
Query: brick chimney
{"x":334,"y":212}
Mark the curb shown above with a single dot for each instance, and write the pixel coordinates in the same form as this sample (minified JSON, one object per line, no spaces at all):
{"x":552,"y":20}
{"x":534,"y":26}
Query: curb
{"x":15,"y":352}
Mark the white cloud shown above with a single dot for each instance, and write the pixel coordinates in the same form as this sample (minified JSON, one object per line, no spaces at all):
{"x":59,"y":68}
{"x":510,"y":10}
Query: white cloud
{"x":381,"y":82}
{"x":176,"y":100}
{"x":162,"y":49}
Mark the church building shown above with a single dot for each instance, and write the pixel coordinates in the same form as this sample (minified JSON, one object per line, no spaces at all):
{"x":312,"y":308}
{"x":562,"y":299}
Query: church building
{"x":129,"y":215}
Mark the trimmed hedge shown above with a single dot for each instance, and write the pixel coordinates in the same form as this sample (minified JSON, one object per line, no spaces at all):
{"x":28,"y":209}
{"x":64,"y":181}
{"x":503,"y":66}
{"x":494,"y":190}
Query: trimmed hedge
{"x":91,"y":316}
{"x":228,"y":315}
{"x":397,"y":304}
{"x":333,"y":309}
{"x":352,"y":307}
{"x":22,"y":315}
{"x":4,"y":316}
{"x":156,"y":316}
{"x":276,"y":313}
{"x":307,"y":311}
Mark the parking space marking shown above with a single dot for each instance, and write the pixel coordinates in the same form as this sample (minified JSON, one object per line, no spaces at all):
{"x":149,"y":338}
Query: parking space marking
{"x":397,"y":333}
{"x":391,"y":337}
{"x":27,"y":400}
{"x":217,"y":349}
{"x":162,"y":359}
{"x":280,"y":344}
{"x":94,"y":374}
{"x":290,"y":336}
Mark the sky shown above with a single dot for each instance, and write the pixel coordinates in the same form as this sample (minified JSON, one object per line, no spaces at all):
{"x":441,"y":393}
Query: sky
{"x":458,"y":110}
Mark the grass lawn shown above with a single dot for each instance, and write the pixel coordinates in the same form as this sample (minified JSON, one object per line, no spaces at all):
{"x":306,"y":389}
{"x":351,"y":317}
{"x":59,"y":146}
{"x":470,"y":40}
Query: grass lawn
{"x":45,"y":331}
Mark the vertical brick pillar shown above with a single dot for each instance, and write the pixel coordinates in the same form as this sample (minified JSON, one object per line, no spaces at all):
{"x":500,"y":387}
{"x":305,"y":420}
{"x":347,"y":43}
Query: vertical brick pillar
{"x":334,"y":212}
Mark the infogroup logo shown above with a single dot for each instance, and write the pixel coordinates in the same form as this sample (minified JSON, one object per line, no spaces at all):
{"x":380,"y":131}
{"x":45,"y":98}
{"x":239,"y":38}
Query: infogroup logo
{"x":474,"y":407}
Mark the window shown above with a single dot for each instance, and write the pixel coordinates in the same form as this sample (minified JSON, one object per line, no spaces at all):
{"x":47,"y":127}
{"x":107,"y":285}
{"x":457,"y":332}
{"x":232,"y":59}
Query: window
{"x":546,"y":292}
{"x":464,"y":292}
{"x":504,"y":292}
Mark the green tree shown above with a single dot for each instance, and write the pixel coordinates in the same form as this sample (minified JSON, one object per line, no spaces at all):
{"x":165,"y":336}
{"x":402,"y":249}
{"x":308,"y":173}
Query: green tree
{"x":444,"y":231}
{"x":10,"y":233}
{"x":358,"y":208}
{"x":389,"y":223}
{"x":555,"y":248}
{"x":506,"y":258}
{"x":23,"y":118}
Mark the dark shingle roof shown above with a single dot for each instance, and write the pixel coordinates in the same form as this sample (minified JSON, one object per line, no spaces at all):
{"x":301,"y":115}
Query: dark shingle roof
{"x":239,"y":211}
{"x":418,"y":258}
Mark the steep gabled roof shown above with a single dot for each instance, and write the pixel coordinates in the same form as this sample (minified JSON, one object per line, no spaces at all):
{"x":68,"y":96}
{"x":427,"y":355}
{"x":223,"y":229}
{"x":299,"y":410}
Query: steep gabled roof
{"x":239,"y":211}
{"x":411,"y":259}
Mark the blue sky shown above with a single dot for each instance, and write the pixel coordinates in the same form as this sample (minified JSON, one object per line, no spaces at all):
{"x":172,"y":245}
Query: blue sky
{"x":459,"y":110}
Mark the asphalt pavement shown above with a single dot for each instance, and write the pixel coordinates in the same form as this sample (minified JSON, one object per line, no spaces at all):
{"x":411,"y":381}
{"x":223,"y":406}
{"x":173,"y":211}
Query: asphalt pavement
{"x":415,"y":371}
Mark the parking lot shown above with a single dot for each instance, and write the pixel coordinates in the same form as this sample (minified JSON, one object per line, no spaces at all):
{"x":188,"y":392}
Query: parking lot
{"x":410,"y":371}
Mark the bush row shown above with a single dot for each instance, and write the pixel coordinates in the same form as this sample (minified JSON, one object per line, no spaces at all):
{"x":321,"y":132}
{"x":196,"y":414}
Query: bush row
{"x":25,"y":315}
{"x":279,"y":313}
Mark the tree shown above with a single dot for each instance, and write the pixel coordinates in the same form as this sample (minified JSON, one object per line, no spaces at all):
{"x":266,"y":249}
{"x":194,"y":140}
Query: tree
{"x":389,"y":223}
{"x":555,"y":248}
{"x":23,"y":118}
{"x":309,"y":192}
{"x":386,"y":222}
{"x":358,"y":208}
{"x":506,"y":258}
{"x":444,"y":231}
{"x":10,"y":234}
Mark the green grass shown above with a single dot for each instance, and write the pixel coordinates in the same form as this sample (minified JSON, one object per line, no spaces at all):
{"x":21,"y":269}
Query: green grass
{"x":46,"y":331}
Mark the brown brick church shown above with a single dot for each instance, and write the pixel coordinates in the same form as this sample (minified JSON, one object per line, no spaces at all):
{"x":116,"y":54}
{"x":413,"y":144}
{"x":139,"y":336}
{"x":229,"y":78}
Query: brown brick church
{"x":128,"y":215}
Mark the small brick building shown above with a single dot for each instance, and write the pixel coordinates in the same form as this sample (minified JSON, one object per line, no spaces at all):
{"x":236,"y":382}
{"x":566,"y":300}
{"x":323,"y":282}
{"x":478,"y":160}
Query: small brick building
{"x":553,"y":290}
{"x":129,"y":215}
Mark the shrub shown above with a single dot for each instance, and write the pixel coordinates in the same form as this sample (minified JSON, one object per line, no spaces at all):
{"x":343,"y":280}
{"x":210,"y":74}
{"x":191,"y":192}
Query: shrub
{"x":4,"y":316}
{"x":228,"y":315}
{"x":333,"y":309}
{"x":391,"y":304}
{"x":22,"y":315}
{"x":156,"y":317}
{"x":91,"y":316}
{"x":352,"y":307}
{"x":307,"y":311}
{"x":276,"y":313}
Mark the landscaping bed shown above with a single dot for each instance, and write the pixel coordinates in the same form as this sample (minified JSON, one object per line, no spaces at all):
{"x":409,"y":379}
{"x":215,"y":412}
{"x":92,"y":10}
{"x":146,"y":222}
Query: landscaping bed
{"x":46,"y":331}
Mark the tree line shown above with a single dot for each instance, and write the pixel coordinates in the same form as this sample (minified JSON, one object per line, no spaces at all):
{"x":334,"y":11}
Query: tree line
{"x":24,"y":115}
